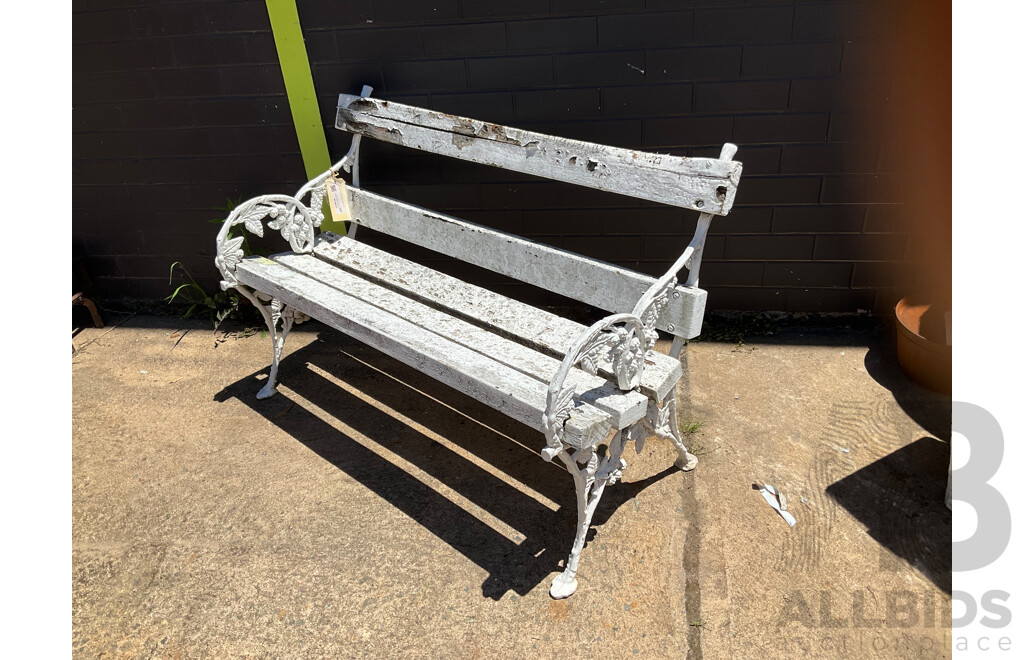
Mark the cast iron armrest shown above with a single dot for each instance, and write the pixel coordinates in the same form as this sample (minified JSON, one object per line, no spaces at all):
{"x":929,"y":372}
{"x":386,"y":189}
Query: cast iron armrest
{"x":625,"y":337}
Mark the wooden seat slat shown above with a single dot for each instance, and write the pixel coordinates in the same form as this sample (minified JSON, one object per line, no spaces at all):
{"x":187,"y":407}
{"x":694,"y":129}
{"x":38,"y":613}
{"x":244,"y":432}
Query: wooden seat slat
{"x":624,"y":407}
{"x":492,"y":382}
{"x":536,"y":328}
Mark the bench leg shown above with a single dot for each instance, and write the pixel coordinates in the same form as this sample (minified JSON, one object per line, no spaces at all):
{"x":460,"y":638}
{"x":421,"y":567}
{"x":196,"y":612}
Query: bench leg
{"x":663,"y":421}
{"x":591,"y":480}
{"x":278,"y":312}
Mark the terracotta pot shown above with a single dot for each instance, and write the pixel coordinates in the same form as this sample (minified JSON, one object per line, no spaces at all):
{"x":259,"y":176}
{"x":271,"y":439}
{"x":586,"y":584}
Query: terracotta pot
{"x":921,"y":344}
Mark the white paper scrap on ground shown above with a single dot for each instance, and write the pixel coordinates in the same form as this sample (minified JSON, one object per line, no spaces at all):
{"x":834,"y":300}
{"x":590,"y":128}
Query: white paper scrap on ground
{"x":777,"y":501}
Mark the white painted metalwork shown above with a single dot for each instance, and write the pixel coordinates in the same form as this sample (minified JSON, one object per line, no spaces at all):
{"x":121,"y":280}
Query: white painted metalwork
{"x":576,"y":384}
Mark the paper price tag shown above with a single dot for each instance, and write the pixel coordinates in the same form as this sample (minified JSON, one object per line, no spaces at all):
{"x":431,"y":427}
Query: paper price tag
{"x":338,"y":199}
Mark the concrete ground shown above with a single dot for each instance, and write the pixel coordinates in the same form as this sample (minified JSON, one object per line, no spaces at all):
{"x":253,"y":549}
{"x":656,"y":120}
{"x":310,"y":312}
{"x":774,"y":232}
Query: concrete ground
{"x":367,"y":511}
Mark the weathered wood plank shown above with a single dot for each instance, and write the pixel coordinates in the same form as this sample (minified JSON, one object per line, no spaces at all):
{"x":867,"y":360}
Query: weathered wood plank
{"x":701,"y":184}
{"x":624,"y":407}
{"x":499,"y":386}
{"x":536,"y":328}
{"x":594,"y":282}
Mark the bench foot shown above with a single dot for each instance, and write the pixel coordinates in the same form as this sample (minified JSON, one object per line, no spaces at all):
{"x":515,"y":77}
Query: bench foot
{"x":591,"y":475}
{"x":563,"y":585}
{"x":266,"y":391}
{"x":686,"y":462}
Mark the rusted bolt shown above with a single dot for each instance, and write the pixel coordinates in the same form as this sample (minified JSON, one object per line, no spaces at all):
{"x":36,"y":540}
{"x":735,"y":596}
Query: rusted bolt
{"x":671,"y":327}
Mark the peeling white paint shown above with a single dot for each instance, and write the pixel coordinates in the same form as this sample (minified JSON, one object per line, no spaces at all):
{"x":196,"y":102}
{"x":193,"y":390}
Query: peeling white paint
{"x":575,"y":384}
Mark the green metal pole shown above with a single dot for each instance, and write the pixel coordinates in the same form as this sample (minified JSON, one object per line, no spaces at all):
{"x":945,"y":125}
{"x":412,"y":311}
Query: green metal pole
{"x":298,"y":84}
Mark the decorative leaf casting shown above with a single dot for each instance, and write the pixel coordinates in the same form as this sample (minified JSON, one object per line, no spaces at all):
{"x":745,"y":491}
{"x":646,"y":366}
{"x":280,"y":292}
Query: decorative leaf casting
{"x":663,"y":421}
{"x":652,"y":304}
{"x":560,"y":405}
{"x":316,"y":204}
{"x":628,"y":356}
{"x":288,"y":215}
{"x":591,"y":474}
{"x":229,"y":255}
{"x":297,"y":223}
{"x":659,"y":418}
{"x":624,"y":338}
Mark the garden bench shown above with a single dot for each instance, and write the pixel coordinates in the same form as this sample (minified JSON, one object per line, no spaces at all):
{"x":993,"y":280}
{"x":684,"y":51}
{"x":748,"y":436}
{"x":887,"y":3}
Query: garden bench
{"x":576,"y":384}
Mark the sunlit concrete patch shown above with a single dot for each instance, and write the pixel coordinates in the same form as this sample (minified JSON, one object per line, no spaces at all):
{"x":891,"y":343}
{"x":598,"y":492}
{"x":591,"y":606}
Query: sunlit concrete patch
{"x":364,"y":511}
{"x":861,"y":455}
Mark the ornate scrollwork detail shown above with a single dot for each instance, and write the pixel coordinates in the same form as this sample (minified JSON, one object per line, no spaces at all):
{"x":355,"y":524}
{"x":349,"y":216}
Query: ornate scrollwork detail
{"x":622,"y":336}
{"x":560,"y":405}
{"x":316,"y":203}
{"x":611,"y":468}
{"x":628,"y":356}
{"x":651,"y":305}
{"x":288,"y":215}
{"x":295,"y":315}
{"x":591,"y":473}
{"x":660,"y":418}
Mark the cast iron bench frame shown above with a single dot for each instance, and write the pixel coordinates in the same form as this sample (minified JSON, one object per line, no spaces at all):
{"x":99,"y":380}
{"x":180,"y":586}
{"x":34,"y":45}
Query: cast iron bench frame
{"x":575,"y":384}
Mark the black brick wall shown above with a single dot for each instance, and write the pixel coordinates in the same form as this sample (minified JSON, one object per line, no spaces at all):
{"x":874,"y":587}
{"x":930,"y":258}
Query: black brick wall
{"x":179,"y":106}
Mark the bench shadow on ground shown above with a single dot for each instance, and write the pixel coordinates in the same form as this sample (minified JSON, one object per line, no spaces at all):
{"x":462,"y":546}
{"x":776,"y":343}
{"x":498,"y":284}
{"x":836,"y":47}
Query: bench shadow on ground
{"x":545,"y":536}
{"x":900,"y":498}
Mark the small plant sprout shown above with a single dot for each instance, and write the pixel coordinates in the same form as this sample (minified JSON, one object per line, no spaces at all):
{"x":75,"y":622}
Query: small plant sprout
{"x":691,"y":427}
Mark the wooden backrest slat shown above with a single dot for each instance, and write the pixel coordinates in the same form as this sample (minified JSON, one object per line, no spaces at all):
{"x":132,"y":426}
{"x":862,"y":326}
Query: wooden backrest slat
{"x":702,"y":184}
{"x":594,"y":282}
